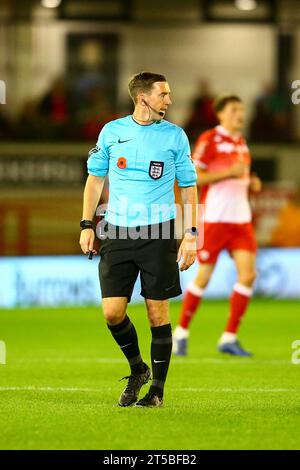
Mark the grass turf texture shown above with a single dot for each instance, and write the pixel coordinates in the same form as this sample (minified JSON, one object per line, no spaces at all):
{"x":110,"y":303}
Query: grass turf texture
{"x":60,"y":386}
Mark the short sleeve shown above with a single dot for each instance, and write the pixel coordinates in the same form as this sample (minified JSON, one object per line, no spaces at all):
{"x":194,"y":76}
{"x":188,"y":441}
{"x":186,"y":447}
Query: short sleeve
{"x":202,"y":152}
{"x":184,"y":168}
{"x":98,"y":161}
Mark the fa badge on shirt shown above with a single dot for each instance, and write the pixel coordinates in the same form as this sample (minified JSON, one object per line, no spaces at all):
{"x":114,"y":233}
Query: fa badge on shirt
{"x":156,"y":169}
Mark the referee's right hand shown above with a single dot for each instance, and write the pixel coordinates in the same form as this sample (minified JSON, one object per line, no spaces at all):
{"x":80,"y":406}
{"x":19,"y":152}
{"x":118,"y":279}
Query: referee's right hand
{"x":87,"y":238}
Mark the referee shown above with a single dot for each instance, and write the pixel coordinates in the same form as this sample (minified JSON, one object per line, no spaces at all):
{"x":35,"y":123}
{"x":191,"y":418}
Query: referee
{"x":142,"y":154}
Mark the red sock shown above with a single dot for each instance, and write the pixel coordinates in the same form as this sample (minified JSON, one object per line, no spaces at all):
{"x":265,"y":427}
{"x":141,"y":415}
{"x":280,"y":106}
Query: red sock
{"x":238,"y":304}
{"x":192,"y":299}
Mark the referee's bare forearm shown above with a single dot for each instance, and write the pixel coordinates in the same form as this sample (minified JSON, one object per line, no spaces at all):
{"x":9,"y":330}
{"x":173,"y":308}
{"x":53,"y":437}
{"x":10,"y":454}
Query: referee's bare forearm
{"x":189,"y":197}
{"x":92,"y":193}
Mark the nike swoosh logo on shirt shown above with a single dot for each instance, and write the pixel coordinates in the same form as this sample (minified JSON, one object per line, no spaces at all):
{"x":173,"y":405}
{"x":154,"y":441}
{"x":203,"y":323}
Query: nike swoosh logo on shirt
{"x":123,"y":141}
{"x":156,"y":362}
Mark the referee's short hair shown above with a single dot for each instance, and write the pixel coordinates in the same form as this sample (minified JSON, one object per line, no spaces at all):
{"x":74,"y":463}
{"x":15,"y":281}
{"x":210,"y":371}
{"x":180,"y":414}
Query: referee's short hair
{"x":221,"y":101}
{"x":142,"y":83}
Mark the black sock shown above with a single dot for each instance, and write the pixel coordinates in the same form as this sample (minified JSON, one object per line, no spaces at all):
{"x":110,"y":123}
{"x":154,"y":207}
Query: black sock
{"x":161,"y":349}
{"x":125,"y":335}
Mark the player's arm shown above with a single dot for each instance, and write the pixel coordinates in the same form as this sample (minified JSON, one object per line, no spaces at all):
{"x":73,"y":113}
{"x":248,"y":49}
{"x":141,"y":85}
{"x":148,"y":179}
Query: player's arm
{"x":97,"y":164}
{"x":203,"y":155}
{"x":187,"y":179}
{"x":205,"y":177}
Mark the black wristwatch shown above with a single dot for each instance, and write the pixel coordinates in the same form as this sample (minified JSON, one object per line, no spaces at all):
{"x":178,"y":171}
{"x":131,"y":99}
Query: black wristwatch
{"x":86,"y":224}
{"x":193,"y":231}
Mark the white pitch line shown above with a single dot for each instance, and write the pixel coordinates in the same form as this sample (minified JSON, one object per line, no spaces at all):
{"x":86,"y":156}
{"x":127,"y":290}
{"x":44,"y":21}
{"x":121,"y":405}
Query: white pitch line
{"x":189,"y":390}
{"x":238,"y":390}
{"x":186,"y":361}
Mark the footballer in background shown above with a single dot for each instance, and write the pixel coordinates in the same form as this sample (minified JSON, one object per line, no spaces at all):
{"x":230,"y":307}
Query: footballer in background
{"x":223,"y":162}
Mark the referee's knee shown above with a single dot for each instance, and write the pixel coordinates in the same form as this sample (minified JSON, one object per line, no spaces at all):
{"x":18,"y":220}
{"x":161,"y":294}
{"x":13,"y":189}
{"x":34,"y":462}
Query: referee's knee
{"x":114,"y":318}
{"x":113,"y":313}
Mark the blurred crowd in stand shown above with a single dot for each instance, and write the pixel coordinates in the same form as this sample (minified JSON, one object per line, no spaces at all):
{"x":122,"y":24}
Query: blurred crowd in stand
{"x":62,"y":113}
{"x":270,"y":120}
{"x":78,"y":112}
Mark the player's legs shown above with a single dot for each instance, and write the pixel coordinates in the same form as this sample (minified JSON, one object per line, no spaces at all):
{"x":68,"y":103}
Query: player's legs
{"x":194,"y":294}
{"x":245,"y":264}
{"x":190,"y":304}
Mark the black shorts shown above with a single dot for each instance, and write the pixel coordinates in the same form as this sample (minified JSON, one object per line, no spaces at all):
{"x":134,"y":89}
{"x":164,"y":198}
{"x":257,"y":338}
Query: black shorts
{"x":122,"y":259}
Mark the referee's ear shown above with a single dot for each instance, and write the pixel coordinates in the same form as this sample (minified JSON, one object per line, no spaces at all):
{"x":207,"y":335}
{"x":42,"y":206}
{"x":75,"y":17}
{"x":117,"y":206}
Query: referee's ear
{"x":141,"y":99}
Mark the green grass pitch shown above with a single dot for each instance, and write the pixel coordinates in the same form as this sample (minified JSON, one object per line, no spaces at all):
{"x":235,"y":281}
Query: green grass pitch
{"x":60,"y":386}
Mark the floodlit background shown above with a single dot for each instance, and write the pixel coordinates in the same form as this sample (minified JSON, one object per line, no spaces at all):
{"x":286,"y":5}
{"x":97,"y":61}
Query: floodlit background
{"x":64,"y":67}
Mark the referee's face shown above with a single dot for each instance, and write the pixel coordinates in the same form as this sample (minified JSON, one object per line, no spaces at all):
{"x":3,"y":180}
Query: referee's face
{"x":159,"y":99}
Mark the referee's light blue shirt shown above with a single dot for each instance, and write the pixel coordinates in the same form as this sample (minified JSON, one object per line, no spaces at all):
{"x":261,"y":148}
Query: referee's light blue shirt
{"x":142,"y":163}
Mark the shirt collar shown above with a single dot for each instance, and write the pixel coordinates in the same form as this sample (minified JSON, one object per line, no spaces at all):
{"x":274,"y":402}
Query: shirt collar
{"x":143,"y":125}
{"x":221,"y":130}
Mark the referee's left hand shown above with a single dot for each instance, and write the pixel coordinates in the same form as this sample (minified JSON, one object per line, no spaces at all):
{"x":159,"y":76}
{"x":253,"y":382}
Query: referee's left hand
{"x":187,"y":251}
